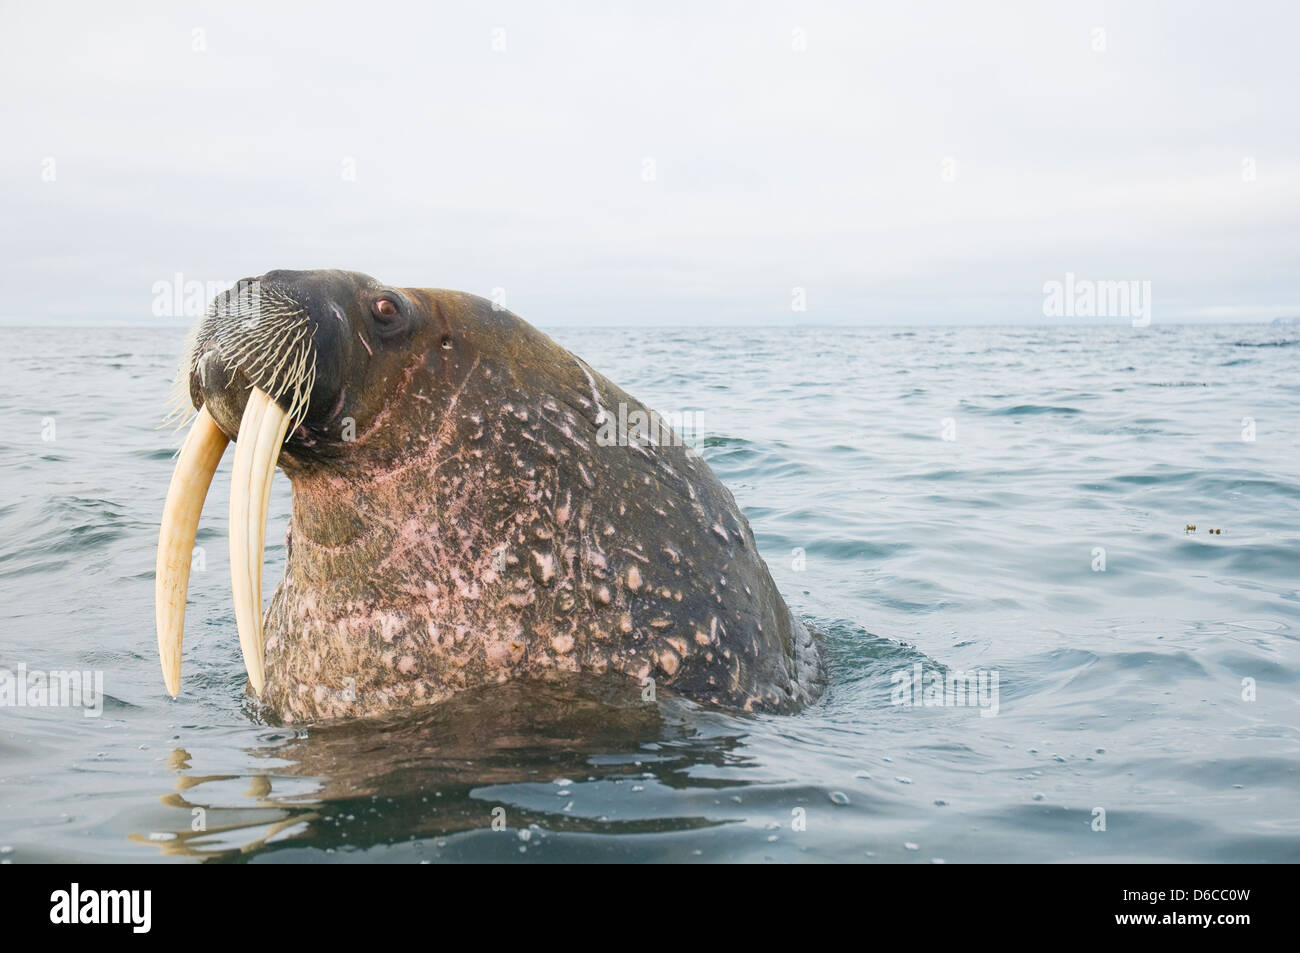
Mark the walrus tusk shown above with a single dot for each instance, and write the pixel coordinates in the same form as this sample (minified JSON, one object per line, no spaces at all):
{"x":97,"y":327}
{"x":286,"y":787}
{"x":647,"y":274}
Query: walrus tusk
{"x":261,"y":435}
{"x":195,"y":466}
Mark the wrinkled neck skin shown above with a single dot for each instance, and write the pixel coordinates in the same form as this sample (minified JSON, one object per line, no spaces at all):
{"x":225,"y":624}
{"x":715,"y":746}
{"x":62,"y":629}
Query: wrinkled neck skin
{"x":476,"y":532}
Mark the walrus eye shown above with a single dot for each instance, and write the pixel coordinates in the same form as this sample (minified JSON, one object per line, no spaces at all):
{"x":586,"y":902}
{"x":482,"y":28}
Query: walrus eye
{"x":384,"y":308}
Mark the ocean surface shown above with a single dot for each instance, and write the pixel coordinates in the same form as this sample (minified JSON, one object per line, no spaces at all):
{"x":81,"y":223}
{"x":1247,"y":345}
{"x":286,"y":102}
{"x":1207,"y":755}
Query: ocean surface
{"x":1011,"y":503}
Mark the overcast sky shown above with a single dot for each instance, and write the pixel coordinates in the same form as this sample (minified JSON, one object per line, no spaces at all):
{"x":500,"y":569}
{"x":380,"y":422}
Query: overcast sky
{"x":673,"y":164}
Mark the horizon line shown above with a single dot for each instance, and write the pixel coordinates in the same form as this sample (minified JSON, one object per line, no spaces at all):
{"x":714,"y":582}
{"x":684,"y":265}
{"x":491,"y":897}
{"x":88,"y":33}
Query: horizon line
{"x":1280,"y":321}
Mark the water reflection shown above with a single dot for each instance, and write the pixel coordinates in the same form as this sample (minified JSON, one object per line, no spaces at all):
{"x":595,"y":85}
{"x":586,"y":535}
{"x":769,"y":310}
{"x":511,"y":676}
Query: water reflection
{"x":520,"y":757}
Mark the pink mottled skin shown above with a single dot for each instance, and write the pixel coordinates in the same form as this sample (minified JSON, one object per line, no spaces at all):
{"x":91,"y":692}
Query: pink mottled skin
{"x":474,"y":531}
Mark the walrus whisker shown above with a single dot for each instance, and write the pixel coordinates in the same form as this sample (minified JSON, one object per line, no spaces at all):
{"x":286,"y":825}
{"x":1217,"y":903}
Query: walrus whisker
{"x":274,"y":355}
{"x":180,"y":410}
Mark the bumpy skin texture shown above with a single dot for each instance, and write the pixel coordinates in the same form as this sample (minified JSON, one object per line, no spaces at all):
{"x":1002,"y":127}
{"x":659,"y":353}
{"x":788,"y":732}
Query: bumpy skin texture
{"x":475,"y":531}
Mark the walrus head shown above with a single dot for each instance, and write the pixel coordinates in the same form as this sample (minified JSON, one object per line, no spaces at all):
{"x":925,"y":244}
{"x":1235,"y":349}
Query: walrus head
{"x":297,"y":367}
{"x":463,"y":512}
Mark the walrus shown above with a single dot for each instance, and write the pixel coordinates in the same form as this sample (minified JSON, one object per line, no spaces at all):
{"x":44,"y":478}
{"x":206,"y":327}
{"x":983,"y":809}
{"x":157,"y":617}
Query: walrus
{"x":463,"y":512}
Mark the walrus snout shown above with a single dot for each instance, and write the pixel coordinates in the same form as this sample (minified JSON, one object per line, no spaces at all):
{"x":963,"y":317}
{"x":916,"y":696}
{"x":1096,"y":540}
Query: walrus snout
{"x":264,"y":362}
{"x":282,"y":333}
